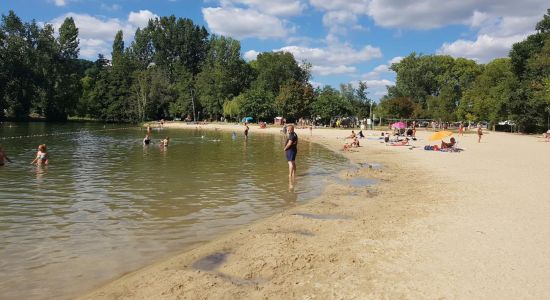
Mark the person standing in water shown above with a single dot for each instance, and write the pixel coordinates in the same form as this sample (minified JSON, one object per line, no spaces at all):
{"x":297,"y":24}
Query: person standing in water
{"x":147,"y":139}
{"x":3,"y":156}
{"x":41,"y":156}
{"x":291,"y":149}
{"x":246,"y":130}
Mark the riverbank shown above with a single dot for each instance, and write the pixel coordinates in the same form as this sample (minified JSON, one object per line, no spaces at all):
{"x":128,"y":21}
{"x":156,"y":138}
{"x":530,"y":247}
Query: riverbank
{"x":437,"y":225}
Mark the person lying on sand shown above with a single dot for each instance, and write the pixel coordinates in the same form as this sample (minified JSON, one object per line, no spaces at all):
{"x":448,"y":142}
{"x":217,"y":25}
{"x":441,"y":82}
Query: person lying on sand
{"x":448,"y":145}
{"x":404,"y":142}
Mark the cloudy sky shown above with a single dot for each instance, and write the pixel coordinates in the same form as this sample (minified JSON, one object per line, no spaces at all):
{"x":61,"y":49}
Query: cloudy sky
{"x":345,"y":40}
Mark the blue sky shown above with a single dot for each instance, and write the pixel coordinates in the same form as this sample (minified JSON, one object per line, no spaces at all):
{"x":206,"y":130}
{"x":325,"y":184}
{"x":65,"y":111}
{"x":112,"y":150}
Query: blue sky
{"x":345,"y":40}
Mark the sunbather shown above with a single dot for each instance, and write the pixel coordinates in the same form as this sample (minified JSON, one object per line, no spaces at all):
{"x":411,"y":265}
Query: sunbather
{"x":404,"y":142}
{"x":448,"y":145}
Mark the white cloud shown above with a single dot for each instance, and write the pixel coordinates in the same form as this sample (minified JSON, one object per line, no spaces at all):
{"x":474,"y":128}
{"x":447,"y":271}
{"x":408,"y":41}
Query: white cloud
{"x":379,"y":83}
{"x":274,"y":8}
{"x":356,"y":6}
{"x":96,"y":34}
{"x":60,"y":2}
{"x":141,"y":18}
{"x":483,"y":49}
{"x":334,"y":59}
{"x":244,"y":23}
{"x":251,"y":55}
{"x":497,"y":24}
{"x":113,"y":7}
{"x":395,"y":60}
{"x":333,"y":70}
{"x":333,"y":54}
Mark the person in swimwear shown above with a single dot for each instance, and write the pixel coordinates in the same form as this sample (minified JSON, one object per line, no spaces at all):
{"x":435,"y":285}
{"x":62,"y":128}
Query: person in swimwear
{"x":147,"y":139}
{"x":246,"y":130}
{"x":3,"y":156}
{"x":165,"y":142}
{"x":41,"y":156}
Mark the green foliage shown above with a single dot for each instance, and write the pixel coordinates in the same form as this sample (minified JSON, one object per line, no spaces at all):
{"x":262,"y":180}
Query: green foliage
{"x":330,"y":104}
{"x":294,"y":100}
{"x":224,"y":75}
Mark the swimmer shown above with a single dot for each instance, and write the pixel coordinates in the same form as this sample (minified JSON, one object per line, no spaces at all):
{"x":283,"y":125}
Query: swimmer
{"x":165,"y":142}
{"x":41,"y":156}
{"x":3,"y":156}
{"x":147,"y":139}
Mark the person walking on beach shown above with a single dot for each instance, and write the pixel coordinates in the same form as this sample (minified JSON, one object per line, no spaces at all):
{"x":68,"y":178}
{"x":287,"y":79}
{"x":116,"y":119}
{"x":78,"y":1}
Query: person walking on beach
{"x":3,"y":156}
{"x":461,"y":129}
{"x":479,"y":133}
{"x":291,"y":149}
{"x":41,"y":156}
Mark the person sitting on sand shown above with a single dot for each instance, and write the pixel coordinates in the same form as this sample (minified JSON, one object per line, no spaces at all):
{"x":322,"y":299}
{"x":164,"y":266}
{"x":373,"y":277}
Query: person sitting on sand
{"x":352,"y":135}
{"x":546,"y":136}
{"x":346,"y":147}
{"x":448,"y":145}
{"x":3,"y":156}
{"x":361,"y":135}
{"x":41,"y":155}
{"x":355,"y":142}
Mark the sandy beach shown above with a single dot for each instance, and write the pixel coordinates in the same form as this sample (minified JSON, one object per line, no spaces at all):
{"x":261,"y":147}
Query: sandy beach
{"x":468,"y":225}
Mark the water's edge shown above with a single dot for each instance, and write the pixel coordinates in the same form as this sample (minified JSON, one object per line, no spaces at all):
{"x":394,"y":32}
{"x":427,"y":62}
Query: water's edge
{"x":189,"y":248}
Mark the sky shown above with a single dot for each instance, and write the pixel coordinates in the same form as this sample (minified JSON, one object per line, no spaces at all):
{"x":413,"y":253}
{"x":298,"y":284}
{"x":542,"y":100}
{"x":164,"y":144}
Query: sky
{"x":346,"y":41}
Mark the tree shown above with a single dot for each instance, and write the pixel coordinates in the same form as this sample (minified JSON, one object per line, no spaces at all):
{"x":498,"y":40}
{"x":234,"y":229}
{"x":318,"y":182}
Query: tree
{"x":330,"y":104}
{"x":274,"y":69}
{"x":399,"y":108}
{"x":118,"y":49}
{"x":294,"y":100}
{"x":224,"y":75}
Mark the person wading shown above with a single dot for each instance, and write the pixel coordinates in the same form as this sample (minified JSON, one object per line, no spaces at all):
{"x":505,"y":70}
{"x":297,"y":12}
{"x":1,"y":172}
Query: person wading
{"x":291,"y":149}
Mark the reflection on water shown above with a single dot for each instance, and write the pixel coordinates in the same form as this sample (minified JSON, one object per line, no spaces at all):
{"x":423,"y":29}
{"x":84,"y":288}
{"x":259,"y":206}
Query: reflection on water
{"x":106,"y":204}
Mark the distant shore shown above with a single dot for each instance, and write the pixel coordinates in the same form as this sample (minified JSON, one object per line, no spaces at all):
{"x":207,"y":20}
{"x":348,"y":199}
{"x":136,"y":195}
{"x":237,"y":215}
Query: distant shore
{"x":437,"y":225}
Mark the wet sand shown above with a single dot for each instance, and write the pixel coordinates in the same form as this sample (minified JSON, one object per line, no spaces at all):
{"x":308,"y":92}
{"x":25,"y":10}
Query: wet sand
{"x":435,"y":225}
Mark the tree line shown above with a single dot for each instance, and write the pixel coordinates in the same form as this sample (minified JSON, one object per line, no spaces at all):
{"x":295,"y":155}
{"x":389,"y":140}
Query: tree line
{"x":515,"y":88}
{"x":172,"y":68}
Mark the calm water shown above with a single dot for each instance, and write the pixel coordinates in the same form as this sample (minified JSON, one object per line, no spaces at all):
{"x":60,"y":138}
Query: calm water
{"x":106,"y":205}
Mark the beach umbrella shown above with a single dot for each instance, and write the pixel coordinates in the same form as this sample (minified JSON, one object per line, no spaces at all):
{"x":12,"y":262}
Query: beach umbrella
{"x":399,"y":125}
{"x":440,"y":135}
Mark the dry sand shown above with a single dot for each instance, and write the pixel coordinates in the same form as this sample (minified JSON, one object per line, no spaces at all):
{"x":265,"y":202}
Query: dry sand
{"x":474,"y":224}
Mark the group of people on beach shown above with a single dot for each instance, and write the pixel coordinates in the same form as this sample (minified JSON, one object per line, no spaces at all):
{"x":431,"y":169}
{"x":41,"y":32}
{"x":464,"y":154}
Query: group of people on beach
{"x":354,"y":140}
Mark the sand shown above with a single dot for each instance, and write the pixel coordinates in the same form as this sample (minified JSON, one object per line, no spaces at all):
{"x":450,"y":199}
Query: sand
{"x":437,"y":225}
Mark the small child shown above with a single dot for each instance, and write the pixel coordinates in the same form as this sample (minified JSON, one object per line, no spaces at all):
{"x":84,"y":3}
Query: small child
{"x":41,"y":155}
{"x":3,"y":156}
{"x":165,"y":142}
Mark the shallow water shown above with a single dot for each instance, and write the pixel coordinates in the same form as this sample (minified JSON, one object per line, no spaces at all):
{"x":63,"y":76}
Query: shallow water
{"x":106,"y":205}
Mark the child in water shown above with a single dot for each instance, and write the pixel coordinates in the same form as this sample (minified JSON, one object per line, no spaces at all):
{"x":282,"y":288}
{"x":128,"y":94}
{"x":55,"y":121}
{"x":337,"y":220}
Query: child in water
{"x":3,"y":156}
{"x":165,"y":142}
{"x":41,"y":156}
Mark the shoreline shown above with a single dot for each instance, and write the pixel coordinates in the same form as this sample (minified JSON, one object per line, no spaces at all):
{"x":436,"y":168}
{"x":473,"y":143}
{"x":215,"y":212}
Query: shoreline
{"x":397,"y":239}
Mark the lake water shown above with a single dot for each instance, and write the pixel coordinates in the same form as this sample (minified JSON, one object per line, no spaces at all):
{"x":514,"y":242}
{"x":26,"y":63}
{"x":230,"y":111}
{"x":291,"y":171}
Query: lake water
{"x":106,"y":205}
